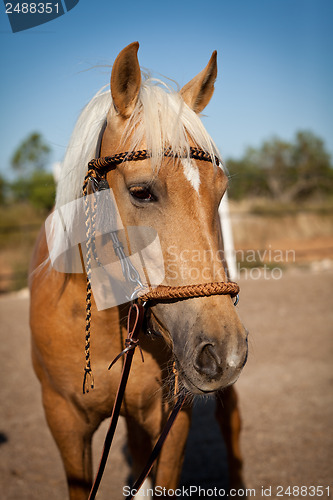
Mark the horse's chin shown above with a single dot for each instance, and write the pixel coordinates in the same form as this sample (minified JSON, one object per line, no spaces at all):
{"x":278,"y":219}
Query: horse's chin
{"x":205,"y":388}
{"x":195,"y":390}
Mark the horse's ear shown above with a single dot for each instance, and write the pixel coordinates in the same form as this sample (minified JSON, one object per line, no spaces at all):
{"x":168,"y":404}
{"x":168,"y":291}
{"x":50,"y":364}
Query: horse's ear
{"x":198,"y":92}
{"x":126,"y":80}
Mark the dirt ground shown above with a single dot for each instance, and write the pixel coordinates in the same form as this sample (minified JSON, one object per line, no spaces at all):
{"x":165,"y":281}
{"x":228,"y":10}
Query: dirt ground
{"x":285,"y":397}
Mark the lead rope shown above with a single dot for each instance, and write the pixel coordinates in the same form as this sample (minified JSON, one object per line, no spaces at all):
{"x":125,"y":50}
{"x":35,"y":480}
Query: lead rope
{"x":90,"y":218}
{"x":88,"y":379}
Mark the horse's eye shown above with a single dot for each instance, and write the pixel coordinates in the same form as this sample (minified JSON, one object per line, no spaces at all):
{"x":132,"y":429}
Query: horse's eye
{"x":142,"y":193}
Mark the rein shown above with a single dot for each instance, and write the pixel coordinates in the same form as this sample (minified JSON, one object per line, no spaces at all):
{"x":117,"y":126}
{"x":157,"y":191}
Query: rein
{"x":140,"y":299}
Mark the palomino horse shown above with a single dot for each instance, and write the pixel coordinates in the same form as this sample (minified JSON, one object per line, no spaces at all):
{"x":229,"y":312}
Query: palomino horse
{"x":202,"y":336}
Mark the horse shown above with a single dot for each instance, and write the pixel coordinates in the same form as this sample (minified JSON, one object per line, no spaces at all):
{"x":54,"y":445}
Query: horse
{"x":200,"y":339}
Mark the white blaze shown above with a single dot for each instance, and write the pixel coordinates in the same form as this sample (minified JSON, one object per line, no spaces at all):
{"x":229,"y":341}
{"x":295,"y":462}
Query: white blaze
{"x":191,"y":173}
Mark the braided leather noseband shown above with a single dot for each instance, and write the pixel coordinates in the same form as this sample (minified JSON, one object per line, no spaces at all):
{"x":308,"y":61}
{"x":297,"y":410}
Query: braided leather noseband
{"x":97,"y":170}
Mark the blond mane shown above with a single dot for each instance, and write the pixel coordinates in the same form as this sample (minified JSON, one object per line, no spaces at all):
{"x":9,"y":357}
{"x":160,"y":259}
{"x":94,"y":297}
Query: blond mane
{"x":160,"y":120}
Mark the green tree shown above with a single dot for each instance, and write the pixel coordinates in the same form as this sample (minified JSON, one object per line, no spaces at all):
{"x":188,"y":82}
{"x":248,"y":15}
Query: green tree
{"x":37,"y":189}
{"x":311,"y":168}
{"x":32,"y":154}
{"x":284,"y":171}
{"x":245,"y":177}
{"x":3,"y":186}
{"x":33,"y":184}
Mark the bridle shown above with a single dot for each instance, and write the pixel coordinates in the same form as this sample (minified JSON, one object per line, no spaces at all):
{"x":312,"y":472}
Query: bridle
{"x":141,"y":298}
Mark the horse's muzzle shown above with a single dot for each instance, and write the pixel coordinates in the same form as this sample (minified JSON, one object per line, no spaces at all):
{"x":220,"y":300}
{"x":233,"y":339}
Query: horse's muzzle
{"x":214,"y":365}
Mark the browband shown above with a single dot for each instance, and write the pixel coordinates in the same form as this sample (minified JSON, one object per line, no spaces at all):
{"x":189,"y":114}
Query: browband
{"x":107,"y":163}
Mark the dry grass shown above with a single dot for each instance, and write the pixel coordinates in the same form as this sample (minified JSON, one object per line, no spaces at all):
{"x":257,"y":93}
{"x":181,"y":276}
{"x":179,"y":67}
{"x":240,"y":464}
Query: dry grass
{"x":258,"y":224}
{"x":19,"y":226}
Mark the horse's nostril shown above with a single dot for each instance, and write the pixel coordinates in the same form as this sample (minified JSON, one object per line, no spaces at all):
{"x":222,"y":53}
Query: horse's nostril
{"x":207,"y":362}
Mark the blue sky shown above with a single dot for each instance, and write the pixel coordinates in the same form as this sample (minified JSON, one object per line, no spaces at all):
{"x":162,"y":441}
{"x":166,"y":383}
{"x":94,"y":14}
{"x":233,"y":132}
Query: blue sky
{"x":274,"y":57}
